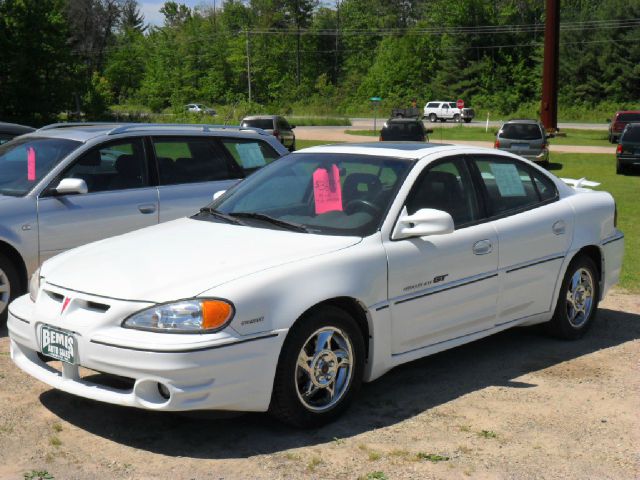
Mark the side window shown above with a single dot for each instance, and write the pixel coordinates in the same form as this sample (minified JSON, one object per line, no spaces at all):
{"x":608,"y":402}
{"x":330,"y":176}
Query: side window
{"x":113,"y":166}
{"x":250,"y":155}
{"x":545,"y":187}
{"x":511,"y":185}
{"x":191,"y":160}
{"x":446,"y":186}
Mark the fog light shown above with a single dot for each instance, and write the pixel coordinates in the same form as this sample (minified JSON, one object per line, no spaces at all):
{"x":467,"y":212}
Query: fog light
{"x":164,"y":391}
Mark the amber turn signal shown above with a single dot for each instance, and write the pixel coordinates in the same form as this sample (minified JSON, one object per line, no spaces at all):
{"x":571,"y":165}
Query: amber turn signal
{"x":215,"y":313}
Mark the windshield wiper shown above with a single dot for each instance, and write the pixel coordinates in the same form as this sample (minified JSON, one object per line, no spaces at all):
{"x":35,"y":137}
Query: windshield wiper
{"x":223,"y":216}
{"x":296,"y":227}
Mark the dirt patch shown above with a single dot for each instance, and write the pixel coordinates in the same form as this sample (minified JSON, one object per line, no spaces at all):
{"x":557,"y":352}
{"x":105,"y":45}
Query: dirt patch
{"x":515,"y":405}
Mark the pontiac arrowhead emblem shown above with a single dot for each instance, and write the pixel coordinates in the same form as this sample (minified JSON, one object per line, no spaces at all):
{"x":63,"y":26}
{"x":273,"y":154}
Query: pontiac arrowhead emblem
{"x":65,"y":304}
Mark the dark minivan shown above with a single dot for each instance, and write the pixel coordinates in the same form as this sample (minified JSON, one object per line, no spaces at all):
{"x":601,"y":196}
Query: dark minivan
{"x":628,"y":150}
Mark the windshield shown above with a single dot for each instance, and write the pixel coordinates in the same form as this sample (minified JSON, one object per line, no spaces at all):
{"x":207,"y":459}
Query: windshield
{"x":263,"y":123}
{"x":521,"y":131}
{"x":333,"y":194}
{"x":24,"y":161}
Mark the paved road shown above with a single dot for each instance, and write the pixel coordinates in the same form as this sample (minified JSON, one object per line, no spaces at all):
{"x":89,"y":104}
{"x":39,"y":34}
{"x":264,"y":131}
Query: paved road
{"x":337,"y":134}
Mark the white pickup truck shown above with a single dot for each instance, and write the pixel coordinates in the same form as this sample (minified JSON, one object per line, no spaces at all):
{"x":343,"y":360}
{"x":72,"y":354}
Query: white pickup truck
{"x":443,"y":111}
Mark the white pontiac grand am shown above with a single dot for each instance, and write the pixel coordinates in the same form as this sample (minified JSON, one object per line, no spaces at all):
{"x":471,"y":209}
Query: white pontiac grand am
{"x":325,"y":269}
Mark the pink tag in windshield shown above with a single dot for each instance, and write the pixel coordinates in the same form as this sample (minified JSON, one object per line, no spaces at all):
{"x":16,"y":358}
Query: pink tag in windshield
{"x":31,"y":164}
{"x":327,"y":191}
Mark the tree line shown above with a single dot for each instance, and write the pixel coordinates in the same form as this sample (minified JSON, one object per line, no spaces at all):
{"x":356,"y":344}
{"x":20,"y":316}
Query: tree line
{"x":304,"y":56}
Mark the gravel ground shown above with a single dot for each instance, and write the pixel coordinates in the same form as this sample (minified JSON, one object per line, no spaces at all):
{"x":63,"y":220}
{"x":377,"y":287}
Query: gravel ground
{"x":516,"y":405}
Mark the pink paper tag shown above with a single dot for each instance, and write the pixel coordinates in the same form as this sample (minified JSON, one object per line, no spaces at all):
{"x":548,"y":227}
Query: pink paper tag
{"x":327,"y":190}
{"x":31,"y":164}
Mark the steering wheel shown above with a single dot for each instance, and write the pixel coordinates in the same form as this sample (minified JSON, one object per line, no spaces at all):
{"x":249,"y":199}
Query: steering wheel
{"x":360,"y":204}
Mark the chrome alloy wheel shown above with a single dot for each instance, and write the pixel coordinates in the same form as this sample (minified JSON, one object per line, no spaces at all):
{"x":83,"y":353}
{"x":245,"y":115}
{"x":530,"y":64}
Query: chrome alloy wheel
{"x":5,"y":290}
{"x":580,"y":297}
{"x":324,"y":369}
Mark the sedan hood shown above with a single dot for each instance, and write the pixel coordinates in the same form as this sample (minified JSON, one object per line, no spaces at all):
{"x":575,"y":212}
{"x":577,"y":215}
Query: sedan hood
{"x":181,"y":259}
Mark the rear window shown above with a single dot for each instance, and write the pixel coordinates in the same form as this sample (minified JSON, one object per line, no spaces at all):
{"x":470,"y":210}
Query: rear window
{"x":631,"y":134}
{"x":403,"y":131}
{"x":263,"y":123}
{"x":521,"y":131}
{"x":629,"y":117}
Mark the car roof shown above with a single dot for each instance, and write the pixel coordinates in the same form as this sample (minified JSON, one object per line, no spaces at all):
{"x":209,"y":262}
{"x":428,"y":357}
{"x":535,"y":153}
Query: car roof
{"x":83,"y":132}
{"x":523,"y":121}
{"x":15,"y":128}
{"x":408,"y":150}
{"x":403,"y":120}
{"x":260,"y":117}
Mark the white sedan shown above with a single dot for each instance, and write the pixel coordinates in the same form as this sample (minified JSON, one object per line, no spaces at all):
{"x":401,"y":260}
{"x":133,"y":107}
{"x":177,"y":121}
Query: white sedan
{"x":325,"y":269}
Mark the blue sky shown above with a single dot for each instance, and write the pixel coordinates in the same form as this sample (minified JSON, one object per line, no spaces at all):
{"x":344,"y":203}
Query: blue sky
{"x":151,"y":10}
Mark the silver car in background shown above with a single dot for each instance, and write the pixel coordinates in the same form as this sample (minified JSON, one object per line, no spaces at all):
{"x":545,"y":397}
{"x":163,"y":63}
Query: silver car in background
{"x":526,"y":138}
{"x":66,"y":185}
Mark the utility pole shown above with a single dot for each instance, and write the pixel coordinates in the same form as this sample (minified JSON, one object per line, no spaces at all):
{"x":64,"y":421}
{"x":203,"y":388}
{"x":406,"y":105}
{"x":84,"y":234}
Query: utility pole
{"x":248,"y":63}
{"x":549,"y":105}
{"x":335,"y":59}
{"x":297,"y":17}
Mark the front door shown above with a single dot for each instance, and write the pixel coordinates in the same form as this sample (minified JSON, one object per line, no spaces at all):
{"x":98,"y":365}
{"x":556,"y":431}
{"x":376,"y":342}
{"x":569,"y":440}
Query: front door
{"x":443,"y":286}
{"x":119,"y":199}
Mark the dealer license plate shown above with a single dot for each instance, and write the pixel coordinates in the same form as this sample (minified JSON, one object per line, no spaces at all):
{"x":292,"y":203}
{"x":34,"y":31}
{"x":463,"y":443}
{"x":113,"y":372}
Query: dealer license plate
{"x":58,"y":344}
{"x":520,"y":146}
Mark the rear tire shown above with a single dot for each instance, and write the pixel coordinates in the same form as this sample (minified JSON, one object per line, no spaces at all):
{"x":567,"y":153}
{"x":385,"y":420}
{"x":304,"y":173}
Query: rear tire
{"x":456,"y":118}
{"x":433,"y":118}
{"x":620,"y":169}
{"x":9,"y":286}
{"x":320,"y":368}
{"x":577,"y":301}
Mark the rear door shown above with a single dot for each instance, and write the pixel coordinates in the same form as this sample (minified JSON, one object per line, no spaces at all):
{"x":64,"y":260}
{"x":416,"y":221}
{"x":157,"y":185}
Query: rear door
{"x":534,"y":229}
{"x":120,"y":198}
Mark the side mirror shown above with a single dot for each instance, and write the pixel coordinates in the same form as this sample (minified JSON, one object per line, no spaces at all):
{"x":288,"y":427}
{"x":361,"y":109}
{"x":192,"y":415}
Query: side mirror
{"x":218,"y":194}
{"x":426,"y":221}
{"x":68,"y":186}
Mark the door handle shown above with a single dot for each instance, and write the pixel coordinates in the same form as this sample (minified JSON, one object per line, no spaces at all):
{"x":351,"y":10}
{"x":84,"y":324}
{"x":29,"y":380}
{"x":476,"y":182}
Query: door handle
{"x":482,"y":247}
{"x":147,"y":208}
{"x":559,"y":227}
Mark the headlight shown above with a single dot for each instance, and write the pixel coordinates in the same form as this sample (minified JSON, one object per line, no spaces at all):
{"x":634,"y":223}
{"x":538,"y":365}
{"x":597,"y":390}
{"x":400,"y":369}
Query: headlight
{"x":34,"y":285}
{"x":187,"y":316}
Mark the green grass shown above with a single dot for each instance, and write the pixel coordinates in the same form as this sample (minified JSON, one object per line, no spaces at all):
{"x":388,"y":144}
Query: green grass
{"x":478,"y":134}
{"x":624,"y":188}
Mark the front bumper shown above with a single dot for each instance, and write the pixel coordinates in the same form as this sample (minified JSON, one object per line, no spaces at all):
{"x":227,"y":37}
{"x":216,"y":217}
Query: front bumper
{"x":220,"y":372}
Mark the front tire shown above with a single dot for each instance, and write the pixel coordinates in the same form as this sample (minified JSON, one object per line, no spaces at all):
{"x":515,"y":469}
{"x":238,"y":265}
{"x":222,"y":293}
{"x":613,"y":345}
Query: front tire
{"x":467,"y":120}
{"x":9,"y":286}
{"x":320,"y":368}
{"x":577,"y":301}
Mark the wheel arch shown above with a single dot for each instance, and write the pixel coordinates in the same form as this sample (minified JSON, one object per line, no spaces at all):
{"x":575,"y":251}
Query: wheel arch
{"x":354,"y":308}
{"x":14,"y":256}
